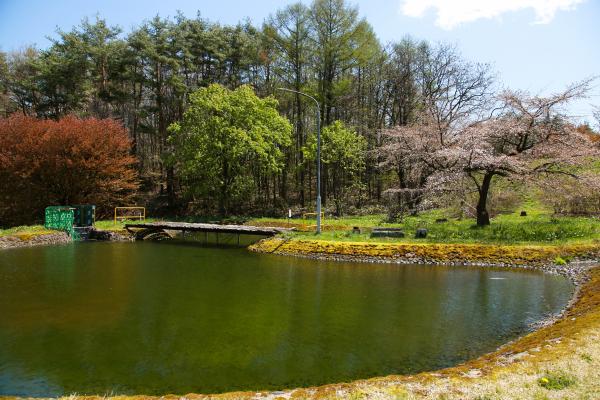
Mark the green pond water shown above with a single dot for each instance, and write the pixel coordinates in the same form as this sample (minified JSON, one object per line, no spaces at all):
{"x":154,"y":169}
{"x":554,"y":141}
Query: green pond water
{"x":170,"y":317}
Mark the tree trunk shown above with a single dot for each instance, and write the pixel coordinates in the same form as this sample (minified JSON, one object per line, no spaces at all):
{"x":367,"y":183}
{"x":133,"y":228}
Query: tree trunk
{"x":170,"y":186}
{"x":323,"y":188}
{"x":299,"y":143}
{"x":483,"y":217}
{"x":283,"y":184}
{"x":223,"y":198}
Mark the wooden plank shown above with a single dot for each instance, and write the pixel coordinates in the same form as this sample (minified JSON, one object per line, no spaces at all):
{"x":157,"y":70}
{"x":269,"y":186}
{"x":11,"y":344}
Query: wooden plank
{"x":215,"y":228}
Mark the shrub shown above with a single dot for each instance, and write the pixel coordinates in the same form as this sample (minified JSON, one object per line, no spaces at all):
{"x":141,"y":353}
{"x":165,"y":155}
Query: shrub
{"x":65,"y":162}
{"x":556,"y":381}
{"x":575,"y":197}
{"x":560,"y":261}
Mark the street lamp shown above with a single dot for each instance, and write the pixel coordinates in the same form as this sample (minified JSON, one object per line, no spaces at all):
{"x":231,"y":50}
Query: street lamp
{"x":318,"y":153}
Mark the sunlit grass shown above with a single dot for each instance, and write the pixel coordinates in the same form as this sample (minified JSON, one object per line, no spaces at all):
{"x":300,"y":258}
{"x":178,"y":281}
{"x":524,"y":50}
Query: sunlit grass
{"x":25,"y":229}
{"x":538,"y":226}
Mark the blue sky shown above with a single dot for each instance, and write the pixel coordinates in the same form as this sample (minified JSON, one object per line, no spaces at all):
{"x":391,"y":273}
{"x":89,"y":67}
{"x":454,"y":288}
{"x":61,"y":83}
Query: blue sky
{"x":535,"y":45}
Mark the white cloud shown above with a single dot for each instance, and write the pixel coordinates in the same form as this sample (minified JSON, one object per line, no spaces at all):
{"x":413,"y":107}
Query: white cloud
{"x":451,"y":13}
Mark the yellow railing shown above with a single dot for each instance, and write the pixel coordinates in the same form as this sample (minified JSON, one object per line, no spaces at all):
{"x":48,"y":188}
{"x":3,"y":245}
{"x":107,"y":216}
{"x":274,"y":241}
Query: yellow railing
{"x":314,"y":215}
{"x":141,"y":216}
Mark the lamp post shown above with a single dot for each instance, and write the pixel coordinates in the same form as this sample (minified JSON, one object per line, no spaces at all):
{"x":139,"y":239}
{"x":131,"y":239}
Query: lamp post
{"x":318,"y":153}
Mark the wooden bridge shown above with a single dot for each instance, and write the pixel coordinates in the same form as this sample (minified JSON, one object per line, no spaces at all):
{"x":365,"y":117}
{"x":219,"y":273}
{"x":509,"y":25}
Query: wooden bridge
{"x":149,"y":230}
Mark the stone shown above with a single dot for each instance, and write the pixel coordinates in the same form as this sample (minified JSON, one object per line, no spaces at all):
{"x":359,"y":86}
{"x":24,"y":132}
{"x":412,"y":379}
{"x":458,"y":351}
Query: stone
{"x":421,"y":233}
{"x":387,"y":232}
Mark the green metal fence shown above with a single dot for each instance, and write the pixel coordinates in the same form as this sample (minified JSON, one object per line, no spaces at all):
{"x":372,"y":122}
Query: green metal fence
{"x":60,"y":218}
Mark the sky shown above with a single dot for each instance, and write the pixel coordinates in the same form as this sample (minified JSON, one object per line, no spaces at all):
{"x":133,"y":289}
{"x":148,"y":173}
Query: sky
{"x":540,"y":46}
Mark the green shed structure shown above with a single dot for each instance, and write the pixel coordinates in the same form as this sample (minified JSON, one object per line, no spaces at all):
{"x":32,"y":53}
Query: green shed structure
{"x":69,"y":218}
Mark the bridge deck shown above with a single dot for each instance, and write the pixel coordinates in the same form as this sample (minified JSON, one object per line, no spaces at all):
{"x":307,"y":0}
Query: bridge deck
{"x":198,"y":227}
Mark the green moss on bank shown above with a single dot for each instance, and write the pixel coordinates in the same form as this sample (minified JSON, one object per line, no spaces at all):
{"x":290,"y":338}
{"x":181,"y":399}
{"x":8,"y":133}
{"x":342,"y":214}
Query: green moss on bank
{"x":423,"y":252}
{"x":26,"y":232}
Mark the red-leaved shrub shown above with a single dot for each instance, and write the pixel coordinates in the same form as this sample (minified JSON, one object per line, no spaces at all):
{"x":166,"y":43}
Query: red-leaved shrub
{"x":65,"y":162}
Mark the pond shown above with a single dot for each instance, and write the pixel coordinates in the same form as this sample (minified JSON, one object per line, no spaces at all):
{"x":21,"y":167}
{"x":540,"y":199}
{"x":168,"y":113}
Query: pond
{"x":177,"y":317}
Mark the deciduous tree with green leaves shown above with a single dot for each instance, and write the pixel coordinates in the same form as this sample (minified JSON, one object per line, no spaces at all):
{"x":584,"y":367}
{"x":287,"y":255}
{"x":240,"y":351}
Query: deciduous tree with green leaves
{"x":342,"y":157}
{"x":226,"y":143}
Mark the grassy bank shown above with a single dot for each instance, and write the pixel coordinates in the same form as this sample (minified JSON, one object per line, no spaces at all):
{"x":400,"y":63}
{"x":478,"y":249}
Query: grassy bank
{"x":26,"y":231}
{"x":26,"y":236}
{"x":526,"y":255}
{"x":538,"y":227}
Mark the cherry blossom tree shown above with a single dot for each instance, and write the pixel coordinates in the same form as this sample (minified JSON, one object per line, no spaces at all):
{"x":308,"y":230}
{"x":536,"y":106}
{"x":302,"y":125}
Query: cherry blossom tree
{"x":406,"y":151}
{"x":522,"y":138}
{"x":576,"y":196}
{"x":597,"y":116}
{"x":452,"y":94}
{"x":529,"y":137}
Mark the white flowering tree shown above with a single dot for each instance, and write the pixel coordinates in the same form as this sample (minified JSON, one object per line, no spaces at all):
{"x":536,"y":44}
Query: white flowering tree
{"x":531,"y":136}
{"x":406,"y":150}
{"x":523,"y":138}
{"x":451,"y":93}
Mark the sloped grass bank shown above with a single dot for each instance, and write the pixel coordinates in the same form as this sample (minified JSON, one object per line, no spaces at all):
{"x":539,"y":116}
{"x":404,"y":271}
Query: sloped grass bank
{"x":26,"y":231}
{"x":527,"y":255}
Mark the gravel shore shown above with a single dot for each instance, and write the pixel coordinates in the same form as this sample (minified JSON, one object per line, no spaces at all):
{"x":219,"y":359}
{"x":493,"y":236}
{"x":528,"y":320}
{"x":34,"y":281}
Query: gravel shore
{"x":14,"y":241}
{"x":29,"y":240}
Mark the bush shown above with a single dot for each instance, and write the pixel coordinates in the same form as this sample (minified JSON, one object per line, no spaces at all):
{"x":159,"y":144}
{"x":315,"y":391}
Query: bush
{"x":575,"y":197}
{"x":556,"y":381}
{"x":504,"y":201}
{"x":560,"y":261}
{"x":65,"y":162}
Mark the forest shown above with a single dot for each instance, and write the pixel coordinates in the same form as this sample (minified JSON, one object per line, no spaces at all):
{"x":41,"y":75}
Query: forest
{"x":406,"y":125}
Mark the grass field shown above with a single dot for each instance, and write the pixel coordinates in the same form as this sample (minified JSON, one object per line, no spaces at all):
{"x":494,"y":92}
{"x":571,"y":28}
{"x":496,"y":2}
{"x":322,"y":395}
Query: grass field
{"x":538,"y":227}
